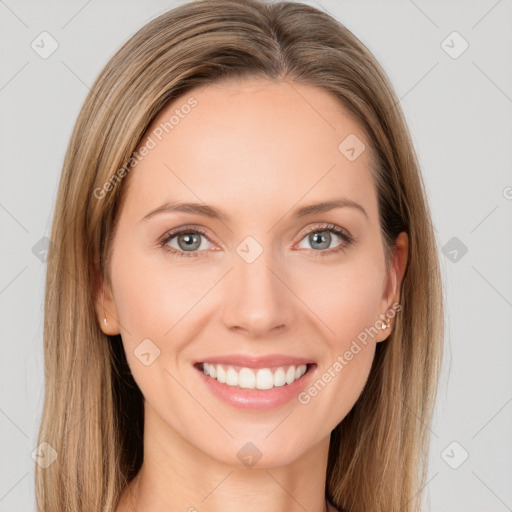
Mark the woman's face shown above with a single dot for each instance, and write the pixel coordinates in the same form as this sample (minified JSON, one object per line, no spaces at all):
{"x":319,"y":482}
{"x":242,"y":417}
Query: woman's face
{"x":253,"y":275}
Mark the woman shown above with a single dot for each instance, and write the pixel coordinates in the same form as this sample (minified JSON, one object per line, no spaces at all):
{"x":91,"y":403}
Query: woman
{"x":202,"y":351}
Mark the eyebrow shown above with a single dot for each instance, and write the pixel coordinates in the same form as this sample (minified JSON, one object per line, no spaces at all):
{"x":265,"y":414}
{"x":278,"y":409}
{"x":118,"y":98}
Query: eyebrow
{"x":214,"y":213}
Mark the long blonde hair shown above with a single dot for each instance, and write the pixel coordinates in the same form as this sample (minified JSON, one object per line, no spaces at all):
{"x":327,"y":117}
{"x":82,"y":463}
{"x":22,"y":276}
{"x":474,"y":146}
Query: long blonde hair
{"x":93,"y":409}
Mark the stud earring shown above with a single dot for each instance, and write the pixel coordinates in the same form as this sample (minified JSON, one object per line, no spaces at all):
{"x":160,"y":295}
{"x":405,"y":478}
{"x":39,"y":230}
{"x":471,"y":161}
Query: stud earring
{"x":102,"y":306}
{"x":384,"y":326}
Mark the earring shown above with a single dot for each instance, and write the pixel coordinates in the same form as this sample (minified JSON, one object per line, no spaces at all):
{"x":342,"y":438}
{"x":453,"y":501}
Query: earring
{"x":103,"y":307}
{"x":384,"y":326}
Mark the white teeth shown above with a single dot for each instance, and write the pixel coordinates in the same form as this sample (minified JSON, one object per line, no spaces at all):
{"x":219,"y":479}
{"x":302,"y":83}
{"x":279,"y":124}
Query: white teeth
{"x":279,"y":377}
{"x":221,"y":374}
{"x":264,"y":379}
{"x":290,"y":375}
{"x":231,"y":377}
{"x":247,"y":378}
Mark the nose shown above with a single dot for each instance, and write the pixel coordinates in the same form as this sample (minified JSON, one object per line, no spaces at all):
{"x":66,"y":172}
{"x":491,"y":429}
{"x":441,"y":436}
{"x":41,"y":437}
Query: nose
{"x":258,"y":302}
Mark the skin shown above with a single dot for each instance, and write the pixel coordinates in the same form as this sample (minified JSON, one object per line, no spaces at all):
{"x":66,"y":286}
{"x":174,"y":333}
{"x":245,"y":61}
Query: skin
{"x":256,"y":150}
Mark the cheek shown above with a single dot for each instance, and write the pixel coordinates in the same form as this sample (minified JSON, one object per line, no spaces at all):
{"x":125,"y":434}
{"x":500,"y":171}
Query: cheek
{"x":348,"y":305}
{"x":346,"y":297}
{"x":157,"y":300}
{"x":152,"y":296}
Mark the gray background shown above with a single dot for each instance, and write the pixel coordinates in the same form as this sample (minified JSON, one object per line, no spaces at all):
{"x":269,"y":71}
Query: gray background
{"x":459,"y":111}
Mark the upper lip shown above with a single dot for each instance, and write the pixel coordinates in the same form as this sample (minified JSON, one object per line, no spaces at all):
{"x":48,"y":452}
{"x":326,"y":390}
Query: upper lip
{"x":256,"y":362}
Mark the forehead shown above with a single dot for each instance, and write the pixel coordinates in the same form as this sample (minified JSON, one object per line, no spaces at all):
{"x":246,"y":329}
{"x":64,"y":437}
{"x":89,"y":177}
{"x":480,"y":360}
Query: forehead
{"x":253,"y":145}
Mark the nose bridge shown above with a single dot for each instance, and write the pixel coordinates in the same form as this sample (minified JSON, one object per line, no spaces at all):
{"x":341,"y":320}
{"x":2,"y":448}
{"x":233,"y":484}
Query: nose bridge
{"x":257,"y":301}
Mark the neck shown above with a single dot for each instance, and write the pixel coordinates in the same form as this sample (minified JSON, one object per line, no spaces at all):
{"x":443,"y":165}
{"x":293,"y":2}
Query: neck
{"x":177,"y":476}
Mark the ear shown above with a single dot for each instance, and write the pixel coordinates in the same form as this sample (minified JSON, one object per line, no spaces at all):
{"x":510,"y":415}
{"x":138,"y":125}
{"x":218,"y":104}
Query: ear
{"x":106,"y":310}
{"x":393,"y":283}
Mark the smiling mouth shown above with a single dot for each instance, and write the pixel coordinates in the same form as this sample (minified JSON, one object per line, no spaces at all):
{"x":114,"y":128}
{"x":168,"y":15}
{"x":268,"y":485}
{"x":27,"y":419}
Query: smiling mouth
{"x":255,"y":378}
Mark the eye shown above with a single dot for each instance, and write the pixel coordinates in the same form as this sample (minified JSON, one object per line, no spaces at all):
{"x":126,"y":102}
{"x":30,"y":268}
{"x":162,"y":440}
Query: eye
{"x":188,"y":241}
{"x":320,"y":238}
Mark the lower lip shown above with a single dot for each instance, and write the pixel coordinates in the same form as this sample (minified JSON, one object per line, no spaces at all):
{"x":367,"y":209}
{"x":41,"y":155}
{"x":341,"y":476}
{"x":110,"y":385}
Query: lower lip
{"x":257,"y":399}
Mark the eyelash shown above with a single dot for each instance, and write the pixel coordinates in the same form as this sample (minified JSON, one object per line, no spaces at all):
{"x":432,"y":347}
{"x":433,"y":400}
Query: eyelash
{"x":344,"y":235}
